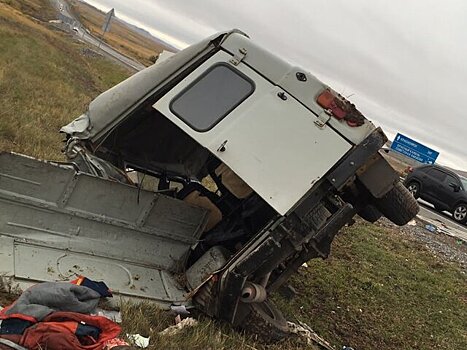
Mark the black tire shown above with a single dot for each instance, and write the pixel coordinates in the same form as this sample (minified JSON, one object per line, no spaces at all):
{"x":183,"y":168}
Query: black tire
{"x":398,"y":205}
{"x":266,"y":322}
{"x":414,"y":188}
{"x":370,"y":213}
{"x":460,"y":213}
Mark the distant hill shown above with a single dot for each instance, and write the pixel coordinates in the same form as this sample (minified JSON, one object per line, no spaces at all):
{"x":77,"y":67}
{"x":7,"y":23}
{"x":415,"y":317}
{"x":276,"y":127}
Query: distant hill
{"x":137,"y":30}
{"x":148,"y":35}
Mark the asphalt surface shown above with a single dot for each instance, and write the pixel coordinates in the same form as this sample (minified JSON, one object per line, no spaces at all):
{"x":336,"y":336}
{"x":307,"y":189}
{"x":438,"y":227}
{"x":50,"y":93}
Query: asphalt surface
{"x":81,"y":33}
{"x":442,"y":220}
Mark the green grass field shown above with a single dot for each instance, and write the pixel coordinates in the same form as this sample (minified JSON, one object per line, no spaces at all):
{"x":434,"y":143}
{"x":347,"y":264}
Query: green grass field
{"x":378,"y":290}
{"x":381,"y":291}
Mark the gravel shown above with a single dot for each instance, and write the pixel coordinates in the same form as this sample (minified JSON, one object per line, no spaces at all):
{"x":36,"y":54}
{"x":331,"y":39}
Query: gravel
{"x":447,"y":248}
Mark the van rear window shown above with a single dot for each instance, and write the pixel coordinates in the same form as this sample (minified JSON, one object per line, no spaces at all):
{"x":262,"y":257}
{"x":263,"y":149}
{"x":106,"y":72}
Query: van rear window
{"x":211,"y":97}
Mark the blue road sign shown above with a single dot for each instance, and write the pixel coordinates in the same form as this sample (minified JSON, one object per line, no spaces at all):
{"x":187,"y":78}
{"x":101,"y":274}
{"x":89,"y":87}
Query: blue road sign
{"x":414,"y":150}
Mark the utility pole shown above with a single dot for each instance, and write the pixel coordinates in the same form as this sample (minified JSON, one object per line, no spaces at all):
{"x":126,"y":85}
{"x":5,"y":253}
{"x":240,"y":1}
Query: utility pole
{"x":106,"y":25}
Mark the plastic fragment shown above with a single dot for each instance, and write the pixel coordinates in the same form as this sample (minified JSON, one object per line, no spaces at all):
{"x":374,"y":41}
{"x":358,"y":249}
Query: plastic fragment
{"x":139,"y":340}
{"x":114,"y":316}
{"x":180,"y":310}
{"x":305,"y":331}
{"x":172,"y":330}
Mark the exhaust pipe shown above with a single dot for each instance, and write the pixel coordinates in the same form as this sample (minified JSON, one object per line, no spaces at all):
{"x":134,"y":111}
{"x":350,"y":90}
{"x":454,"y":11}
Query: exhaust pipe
{"x":253,"y":293}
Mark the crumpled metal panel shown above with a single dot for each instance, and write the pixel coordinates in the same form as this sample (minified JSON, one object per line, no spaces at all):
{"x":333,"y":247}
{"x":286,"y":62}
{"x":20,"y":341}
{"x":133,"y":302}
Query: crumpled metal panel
{"x":112,"y":106}
{"x":56,"y":223}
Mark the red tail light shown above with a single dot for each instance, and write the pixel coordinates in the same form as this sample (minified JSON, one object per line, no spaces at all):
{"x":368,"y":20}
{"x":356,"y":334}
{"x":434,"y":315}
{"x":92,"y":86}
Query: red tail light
{"x":340,"y":108}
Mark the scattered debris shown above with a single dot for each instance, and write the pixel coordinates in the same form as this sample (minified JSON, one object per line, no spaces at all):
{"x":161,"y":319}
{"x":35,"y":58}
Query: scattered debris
{"x":180,"y":310}
{"x":87,"y":52}
{"x":139,"y":340}
{"x":114,"y":316}
{"x":443,"y":245}
{"x":412,"y":223}
{"x":303,"y":330}
{"x":431,"y":228}
{"x":116,"y":343}
{"x":172,"y":330}
{"x":441,"y":227}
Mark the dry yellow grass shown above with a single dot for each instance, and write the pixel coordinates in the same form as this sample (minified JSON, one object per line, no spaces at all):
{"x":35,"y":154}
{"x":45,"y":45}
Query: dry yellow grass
{"x":34,"y":8}
{"x":45,"y":80}
{"x":120,"y":36}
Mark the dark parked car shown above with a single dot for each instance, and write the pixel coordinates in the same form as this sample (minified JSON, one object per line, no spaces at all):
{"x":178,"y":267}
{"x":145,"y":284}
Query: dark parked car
{"x":441,"y":187}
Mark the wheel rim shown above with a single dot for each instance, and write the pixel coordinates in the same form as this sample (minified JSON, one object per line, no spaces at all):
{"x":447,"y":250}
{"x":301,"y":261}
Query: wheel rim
{"x":413,"y":189}
{"x":460,"y":213}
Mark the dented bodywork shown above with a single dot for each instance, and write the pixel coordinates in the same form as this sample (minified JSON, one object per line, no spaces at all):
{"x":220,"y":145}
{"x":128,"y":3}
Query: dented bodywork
{"x":252,"y":167}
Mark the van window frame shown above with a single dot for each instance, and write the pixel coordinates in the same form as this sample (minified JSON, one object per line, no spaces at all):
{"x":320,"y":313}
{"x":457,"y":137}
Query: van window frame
{"x":197,"y":80}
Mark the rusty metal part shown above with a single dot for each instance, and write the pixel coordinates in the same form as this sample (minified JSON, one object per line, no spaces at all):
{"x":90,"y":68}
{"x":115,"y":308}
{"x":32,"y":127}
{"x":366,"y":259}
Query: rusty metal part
{"x":253,"y":293}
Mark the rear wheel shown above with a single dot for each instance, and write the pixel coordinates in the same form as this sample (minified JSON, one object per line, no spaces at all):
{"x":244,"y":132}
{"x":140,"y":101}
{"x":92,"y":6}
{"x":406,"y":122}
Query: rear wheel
{"x":370,"y":213}
{"x":398,"y":205}
{"x":414,"y":189}
{"x":265,"y":321}
{"x":460,"y":213}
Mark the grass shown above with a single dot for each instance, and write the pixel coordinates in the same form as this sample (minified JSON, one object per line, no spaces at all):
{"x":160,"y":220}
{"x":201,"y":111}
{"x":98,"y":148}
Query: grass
{"x":45,"y":82}
{"x":377,"y":291}
{"x":39,"y":9}
{"x":380,"y":291}
{"x":120,"y":36}
{"x":147,"y":320}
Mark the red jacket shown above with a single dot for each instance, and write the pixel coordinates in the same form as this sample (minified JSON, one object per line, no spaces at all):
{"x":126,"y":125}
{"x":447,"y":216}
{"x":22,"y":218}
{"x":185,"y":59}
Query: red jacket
{"x":57,"y":332}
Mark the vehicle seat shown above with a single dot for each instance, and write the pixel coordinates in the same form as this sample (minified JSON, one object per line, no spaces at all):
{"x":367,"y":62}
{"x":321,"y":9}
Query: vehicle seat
{"x":214,"y":216}
{"x":232,"y":182}
{"x":197,"y":195}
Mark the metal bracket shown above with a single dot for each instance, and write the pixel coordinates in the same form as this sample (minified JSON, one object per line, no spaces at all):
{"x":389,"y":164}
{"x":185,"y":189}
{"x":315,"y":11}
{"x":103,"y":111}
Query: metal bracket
{"x":323,"y":118}
{"x":238,"y":57}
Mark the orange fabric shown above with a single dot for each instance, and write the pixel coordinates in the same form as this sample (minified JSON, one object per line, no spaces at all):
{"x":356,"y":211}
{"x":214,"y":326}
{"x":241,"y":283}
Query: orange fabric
{"x":57,"y":332}
{"x":20,"y":316}
{"x":114,"y":343}
{"x":78,"y":281}
{"x":13,"y":338}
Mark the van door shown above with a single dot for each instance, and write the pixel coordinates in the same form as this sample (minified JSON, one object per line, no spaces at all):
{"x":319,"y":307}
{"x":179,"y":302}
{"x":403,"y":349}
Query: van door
{"x":263,"y":134}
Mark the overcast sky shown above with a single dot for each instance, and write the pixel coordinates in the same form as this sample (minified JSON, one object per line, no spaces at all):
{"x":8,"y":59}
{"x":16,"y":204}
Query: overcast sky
{"x":404,"y":62}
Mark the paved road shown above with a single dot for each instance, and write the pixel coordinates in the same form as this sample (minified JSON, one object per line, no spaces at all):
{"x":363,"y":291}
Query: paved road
{"x":62,"y":7}
{"x":442,"y":220}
